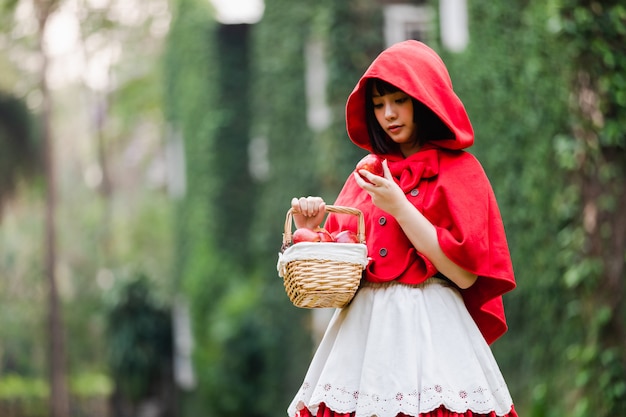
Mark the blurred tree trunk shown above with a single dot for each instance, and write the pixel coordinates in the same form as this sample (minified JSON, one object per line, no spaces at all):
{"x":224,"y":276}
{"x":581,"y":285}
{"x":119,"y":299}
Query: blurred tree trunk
{"x":59,"y":398}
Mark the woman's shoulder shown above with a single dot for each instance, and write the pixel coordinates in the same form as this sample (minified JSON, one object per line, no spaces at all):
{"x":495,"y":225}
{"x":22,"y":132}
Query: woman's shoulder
{"x":459,"y":162}
{"x":457,"y":156}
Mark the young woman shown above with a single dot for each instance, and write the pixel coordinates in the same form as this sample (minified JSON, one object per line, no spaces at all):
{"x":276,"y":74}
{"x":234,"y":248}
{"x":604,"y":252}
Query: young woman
{"x":415,"y":339}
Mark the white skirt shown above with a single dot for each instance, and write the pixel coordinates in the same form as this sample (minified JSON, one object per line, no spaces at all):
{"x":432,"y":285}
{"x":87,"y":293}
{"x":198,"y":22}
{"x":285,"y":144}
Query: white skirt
{"x":403,"y":349}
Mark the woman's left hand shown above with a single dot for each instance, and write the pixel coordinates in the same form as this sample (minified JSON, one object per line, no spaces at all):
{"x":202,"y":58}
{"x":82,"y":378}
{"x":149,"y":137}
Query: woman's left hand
{"x":385,"y":193}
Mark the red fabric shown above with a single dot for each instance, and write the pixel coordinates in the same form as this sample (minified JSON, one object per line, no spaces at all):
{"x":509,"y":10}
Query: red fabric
{"x":447,"y":184}
{"x":324,"y":411}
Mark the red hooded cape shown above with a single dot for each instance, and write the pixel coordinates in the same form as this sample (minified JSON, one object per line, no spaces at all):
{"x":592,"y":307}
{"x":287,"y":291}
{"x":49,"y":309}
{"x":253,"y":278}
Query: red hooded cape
{"x":447,"y":184}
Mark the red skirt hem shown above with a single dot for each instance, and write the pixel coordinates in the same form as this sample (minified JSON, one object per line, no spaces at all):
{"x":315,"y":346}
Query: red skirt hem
{"x":324,"y":411}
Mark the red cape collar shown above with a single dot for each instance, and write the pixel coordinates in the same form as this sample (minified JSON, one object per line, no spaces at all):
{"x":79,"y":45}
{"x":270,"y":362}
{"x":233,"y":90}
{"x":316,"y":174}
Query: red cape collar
{"x":409,"y":171}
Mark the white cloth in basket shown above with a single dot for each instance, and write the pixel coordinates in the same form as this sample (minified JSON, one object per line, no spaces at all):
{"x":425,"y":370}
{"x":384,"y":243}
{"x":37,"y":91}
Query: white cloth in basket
{"x":354,"y":253}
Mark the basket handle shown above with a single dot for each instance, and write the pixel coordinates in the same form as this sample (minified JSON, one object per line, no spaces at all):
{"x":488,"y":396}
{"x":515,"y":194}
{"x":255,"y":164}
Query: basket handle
{"x":329,"y":209}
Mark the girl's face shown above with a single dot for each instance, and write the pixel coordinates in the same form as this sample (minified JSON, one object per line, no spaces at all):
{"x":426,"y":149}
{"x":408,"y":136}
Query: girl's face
{"x":394,"y":113}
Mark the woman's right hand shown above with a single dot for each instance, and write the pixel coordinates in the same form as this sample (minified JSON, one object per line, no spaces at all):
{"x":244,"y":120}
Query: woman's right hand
{"x":308,"y":212}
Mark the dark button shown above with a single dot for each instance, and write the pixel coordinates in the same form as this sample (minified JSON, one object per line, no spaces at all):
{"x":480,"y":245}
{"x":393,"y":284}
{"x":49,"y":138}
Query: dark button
{"x":382,"y":220}
{"x":382,"y":252}
{"x":415,"y":192}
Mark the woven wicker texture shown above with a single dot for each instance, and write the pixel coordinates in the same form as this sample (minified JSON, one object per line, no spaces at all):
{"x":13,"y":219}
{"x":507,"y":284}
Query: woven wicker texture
{"x":320,"y":283}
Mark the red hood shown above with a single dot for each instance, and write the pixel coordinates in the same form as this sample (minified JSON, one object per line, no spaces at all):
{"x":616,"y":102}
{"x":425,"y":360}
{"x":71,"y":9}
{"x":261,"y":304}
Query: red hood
{"x":418,"y":71}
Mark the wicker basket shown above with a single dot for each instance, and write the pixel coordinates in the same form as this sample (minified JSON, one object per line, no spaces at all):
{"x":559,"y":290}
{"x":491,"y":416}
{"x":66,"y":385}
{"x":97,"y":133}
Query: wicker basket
{"x":322,"y":274}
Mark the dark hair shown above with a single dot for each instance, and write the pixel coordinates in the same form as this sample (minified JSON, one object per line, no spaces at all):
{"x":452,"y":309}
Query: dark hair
{"x":430,"y":126}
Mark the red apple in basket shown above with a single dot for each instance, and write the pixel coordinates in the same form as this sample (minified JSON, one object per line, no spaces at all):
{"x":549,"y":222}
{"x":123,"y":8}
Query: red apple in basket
{"x":325,"y":236}
{"x":371,"y":163}
{"x":305,"y":235}
{"x":346,"y":236}
{"x":318,"y":234}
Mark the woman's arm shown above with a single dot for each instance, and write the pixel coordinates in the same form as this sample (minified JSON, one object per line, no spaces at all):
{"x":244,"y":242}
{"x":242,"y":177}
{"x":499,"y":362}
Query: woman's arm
{"x":388,"y":196}
{"x":423,"y":235}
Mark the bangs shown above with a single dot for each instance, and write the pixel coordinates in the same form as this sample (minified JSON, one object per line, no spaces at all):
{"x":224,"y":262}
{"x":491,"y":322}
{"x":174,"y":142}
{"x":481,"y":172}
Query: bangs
{"x":383,"y":87}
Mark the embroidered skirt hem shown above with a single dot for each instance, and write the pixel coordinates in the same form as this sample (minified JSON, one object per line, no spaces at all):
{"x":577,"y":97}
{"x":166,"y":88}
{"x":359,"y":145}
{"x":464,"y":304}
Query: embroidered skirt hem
{"x":324,"y":411}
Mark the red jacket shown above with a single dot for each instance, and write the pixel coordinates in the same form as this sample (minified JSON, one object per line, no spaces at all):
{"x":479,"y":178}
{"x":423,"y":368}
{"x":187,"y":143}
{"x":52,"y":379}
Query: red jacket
{"x":445,"y":183}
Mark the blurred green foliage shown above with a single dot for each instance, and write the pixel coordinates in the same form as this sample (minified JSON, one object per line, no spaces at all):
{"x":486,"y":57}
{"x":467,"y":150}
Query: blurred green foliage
{"x":597,"y":35}
{"x":243,"y":348}
{"x":139,"y":339}
{"x":14,"y":386}
{"x":28,"y":396}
